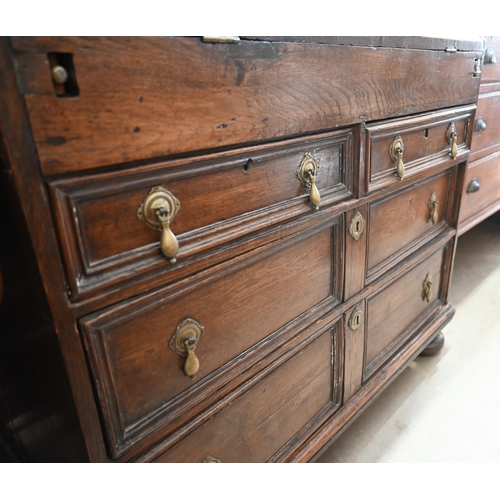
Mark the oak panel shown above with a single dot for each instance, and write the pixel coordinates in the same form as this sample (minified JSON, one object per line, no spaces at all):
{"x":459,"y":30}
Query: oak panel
{"x":392,"y":311}
{"x":221,"y":198}
{"x":404,"y":218}
{"x":139,"y":377}
{"x":425,"y":144}
{"x":487,"y":141}
{"x":270,"y":414}
{"x":186,"y":95}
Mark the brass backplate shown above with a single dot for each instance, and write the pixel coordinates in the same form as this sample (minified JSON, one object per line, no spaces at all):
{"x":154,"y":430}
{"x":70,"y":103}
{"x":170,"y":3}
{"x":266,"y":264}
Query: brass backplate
{"x":356,"y":319}
{"x":158,"y":198}
{"x":189,"y":329}
{"x":307,"y":164}
{"x":449,"y":133}
{"x":357,"y":226}
{"x":211,"y":460}
{"x":396,"y":144}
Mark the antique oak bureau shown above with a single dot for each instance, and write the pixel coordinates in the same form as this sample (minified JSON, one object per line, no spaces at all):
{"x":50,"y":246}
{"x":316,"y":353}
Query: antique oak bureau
{"x":222,"y":248}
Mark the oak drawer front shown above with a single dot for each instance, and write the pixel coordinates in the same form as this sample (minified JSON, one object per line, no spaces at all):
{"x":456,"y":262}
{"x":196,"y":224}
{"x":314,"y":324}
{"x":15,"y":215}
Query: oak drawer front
{"x":491,"y":70}
{"x":403,"y":222}
{"x":481,"y":187}
{"x":270,"y":295}
{"x":151,"y":97}
{"x":425,"y":142}
{"x":395,"y":313}
{"x":258,"y":424}
{"x":221,"y":198}
{"x":486,"y":137}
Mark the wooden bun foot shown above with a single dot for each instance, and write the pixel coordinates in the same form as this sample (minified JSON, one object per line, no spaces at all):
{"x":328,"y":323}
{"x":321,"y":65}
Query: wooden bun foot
{"x":435,"y":346}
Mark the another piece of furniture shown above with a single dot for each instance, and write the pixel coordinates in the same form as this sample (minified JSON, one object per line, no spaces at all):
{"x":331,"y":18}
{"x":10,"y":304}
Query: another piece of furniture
{"x":481,"y":195}
{"x":222,"y":251}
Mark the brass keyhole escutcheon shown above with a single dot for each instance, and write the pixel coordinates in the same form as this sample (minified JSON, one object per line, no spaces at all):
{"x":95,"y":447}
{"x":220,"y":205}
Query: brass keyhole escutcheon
{"x":451,"y":137}
{"x":307,"y":175}
{"x":396,"y":150}
{"x":433,"y":208}
{"x":158,"y":211}
{"x":427,"y":286}
{"x":357,"y":226}
{"x":184,"y":342}
{"x":356,"y":319}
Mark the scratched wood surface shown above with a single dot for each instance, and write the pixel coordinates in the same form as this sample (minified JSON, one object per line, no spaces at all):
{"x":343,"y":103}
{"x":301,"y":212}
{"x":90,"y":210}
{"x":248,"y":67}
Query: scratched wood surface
{"x":191,"y":96}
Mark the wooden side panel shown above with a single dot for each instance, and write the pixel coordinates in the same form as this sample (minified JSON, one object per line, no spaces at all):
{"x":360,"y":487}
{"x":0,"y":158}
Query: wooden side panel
{"x":146,"y":97}
{"x":355,"y":255}
{"x":258,"y":424}
{"x":354,"y":354}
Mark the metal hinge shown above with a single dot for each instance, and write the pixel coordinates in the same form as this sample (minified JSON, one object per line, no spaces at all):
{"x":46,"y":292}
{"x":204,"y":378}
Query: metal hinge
{"x":221,"y":39}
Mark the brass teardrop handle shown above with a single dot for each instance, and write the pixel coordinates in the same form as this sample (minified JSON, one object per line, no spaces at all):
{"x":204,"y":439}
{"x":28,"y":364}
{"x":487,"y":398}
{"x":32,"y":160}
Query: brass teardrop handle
{"x":490,"y":57}
{"x":158,"y":211}
{"x":433,"y":208}
{"x":474,"y":186}
{"x":184,"y":341}
{"x":451,"y":137}
{"x":307,"y":174}
{"x":428,"y":288}
{"x":396,"y":150}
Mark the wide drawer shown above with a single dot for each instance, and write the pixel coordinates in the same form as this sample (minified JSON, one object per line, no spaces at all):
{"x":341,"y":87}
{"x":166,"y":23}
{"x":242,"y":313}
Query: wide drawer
{"x":395,"y":313}
{"x":399,"y":150}
{"x":147,"y":97}
{"x":221,"y":197}
{"x":403,"y":222}
{"x":486,"y":137}
{"x":263,"y":420}
{"x":481,"y":195}
{"x":139,"y":373}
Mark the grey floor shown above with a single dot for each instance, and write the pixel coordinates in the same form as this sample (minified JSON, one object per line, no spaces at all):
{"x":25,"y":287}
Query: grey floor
{"x":444,"y":408}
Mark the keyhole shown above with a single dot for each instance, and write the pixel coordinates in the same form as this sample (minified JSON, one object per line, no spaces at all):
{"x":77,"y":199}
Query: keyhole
{"x":357,"y":226}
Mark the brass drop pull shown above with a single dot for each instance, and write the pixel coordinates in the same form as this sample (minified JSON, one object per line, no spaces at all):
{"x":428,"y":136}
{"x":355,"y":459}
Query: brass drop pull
{"x":433,"y":208}
{"x":192,"y":364}
{"x":396,"y":150}
{"x":184,"y":341}
{"x":158,"y":211}
{"x":451,"y":137}
{"x":428,"y":288}
{"x":307,"y":174}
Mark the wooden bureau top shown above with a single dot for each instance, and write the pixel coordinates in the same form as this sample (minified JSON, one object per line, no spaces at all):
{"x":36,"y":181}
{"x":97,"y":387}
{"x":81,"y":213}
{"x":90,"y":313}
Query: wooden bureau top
{"x":138,"y":98}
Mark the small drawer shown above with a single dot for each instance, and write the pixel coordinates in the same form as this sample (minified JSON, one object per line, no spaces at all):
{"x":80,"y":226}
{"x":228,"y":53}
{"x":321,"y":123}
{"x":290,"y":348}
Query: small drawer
{"x":481,"y":195}
{"x":486,"y":136}
{"x":403,"y":222}
{"x":491,"y":62}
{"x":399,"y":150}
{"x":261,"y":422}
{"x":137,"y":349}
{"x":221,"y":198}
{"x":395,"y":313}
